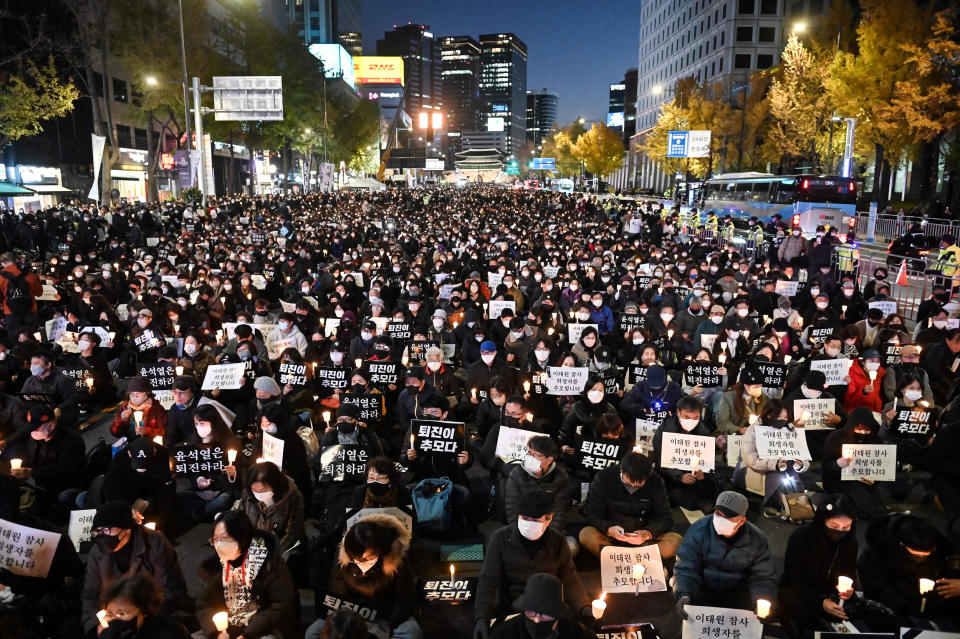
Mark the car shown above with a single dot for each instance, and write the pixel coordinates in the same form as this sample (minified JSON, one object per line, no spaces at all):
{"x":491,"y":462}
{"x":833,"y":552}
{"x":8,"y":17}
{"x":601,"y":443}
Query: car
{"x":920,"y":249}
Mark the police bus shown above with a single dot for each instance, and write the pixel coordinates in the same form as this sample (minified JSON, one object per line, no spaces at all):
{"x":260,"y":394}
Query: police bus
{"x":805,"y":201}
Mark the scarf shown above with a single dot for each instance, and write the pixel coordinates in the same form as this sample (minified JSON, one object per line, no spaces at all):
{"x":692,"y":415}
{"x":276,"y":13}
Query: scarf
{"x":238,"y":583}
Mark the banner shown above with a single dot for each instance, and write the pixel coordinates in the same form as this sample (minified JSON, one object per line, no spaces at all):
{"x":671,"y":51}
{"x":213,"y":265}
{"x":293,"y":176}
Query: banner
{"x":566,"y":380}
{"x":199,"y":461}
{"x":834,"y":369}
{"x":370,"y":405}
{"x":97,"y":143}
{"x":160,"y":375}
{"x":226,"y":376}
{"x":342,"y":462}
{"x":332,"y":377}
{"x":512,"y":443}
{"x":597,"y":455}
{"x":774,"y":375}
{"x":705,"y":374}
{"x":383,"y":374}
{"x":273,"y":450}
{"x":293,"y":374}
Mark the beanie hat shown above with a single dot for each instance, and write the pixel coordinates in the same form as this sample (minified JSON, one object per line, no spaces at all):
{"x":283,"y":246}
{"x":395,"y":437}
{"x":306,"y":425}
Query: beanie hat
{"x":113,"y":514}
{"x":139,"y":385}
{"x":267,"y":385}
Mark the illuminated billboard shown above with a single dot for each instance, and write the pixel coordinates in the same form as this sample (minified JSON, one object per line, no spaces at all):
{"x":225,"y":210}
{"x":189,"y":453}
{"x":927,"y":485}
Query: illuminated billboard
{"x":494,"y":125}
{"x":378,"y":69}
{"x":615,"y":119}
{"x":337,"y":63}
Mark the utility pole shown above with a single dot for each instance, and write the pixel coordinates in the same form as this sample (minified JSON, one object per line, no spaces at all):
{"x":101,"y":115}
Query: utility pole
{"x":183,"y":62}
{"x":198,"y":121}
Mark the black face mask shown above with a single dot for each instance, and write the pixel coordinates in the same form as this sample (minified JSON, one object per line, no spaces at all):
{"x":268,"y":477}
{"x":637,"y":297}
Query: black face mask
{"x":378,"y":489}
{"x":835,"y":535}
{"x":413,"y":389}
{"x":123,"y":627}
{"x":108,"y":543}
{"x":542,"y":630}
{"x":346,"y":428}
{"x":779,"y":423}
{"x":861,"y":438}
{"x":358,"y":388}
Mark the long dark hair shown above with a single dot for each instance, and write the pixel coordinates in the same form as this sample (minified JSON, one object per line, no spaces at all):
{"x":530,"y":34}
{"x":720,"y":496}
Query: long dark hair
{"x":239,"y":527}
{"x":219,"y":432}
{"x":268,"y":473}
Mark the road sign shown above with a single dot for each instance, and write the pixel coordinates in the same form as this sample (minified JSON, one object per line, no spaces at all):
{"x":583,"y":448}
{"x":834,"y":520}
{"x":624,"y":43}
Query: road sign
{"x":544,"y":164}
{"x":688,"y":144}
{"x":255,"y":97}
{"x":512,"y":170}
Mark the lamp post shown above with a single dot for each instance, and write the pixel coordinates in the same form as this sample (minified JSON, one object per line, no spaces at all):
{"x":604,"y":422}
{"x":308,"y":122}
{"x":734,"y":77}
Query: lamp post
{"x":183,"y":63}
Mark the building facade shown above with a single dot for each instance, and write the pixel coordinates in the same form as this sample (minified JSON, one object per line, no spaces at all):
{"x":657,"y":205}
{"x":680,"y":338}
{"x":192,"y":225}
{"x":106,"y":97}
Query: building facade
{"x":503,"y":87}
{"x":542,"y":115}
{"x":327,"y":22}
{"x":460,"y":73}
{"x":421,"y":65}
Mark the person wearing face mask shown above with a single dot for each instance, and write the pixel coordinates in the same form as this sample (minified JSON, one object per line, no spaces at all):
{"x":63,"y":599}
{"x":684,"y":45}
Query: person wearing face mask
{"x":741,"y":401}
{"x":711,"y":326}
{"x":581,"y":419}
{"x":482,"y":372}
{"x":653,"y":398}
{"x":540,"y":471}
{"x":589,"y":340}
{"x":869,"y":328}
{"x":277,"y":421}
{"x":793,"y":247}
{"x":850,"y":299}
{"x":272,"y":502}
{"x":92,"y":361}
{"x":248,"y":579}
{"x":131,"y":606}
{"x":146,"y":338}
{"x":384,"y":487}
{"x":724,"y":560}
{"x":518,"y":551}
{"x":46,"y":380}
{"x":940,"y":361}
{"x":931,"y":332}
{"x":543,"y":614}
{"x":140,"y":414}
{"x":416,"y":391}
{"x":440,"y":375}
{"x":601,"y":315}
{"x":861,"y":428}
{"x":373,"y":565}
{"x":813,"y":386}
{"x":123,"y":549}
{"x":195,"y":358}
{"x":909,"y":364}
{"x":18,"y":311}
{"x":289,"y":334}
{"x":866,"y":383}
{"x":361,"y":346}
{"x":691,"y":490}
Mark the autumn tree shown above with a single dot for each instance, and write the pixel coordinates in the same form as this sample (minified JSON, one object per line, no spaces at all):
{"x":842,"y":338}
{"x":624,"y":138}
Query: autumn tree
{"x":798,"y":104}
{"x":560,"y":144}
{"x":600,"y":150}
{"x":30,"y":96}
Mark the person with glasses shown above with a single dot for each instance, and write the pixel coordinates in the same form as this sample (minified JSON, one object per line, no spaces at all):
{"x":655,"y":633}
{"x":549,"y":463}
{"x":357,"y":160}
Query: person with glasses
{"x":130,"y":607}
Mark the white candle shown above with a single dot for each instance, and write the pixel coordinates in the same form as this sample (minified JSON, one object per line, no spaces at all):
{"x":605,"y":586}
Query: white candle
{"x":15,"y":464}
{"x":873,"y":375}
{"x":926,"y":585}
{"x":695,"y":462}
{"x":220,"y":621}
{"x":102,"y":618}
{"x":231,"y":456}
{"x":847,"y":453}
{"x":786,"y":359}
{"x":452,"y":572}
{"x":326,"y":417}
{"x":138,"y":416}
{"x":805,"y":415}
{"x":158,"y":440}
{"x":526,"y":387}
{"x":752,"y":419}
{"x":358,"y":362}
{"x":844,"y":584}
{"x":89,"y":382}
{"x":763,"y":608}
{"x":637,"y":570}
{"x":151,"y":525}
{"x":599,"y":606}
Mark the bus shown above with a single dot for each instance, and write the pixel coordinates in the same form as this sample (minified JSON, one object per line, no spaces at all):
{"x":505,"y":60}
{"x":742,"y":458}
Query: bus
{"x":804,"y":201}
{"x":563,"y":185}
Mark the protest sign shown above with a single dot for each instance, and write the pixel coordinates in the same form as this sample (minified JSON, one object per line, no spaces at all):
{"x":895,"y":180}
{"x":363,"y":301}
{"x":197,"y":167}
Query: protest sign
{"x":817,"y":408}
{"x":703,"y":621}
{"x":774,"y":375}
{"x":288,"y":307}
{"x":293,"y":374}
{"x":332,"y":376}
{"x":566,"y":380}
{"x":891,"y":355}
{"x":55,"y":327}
{"x":404,"y":515}
{"x":416,"y":352}
{"x":160,"y":375}
{"x":27,"y":551}
{"x":165,"y":397}
{"x":912,"y":423}
{"x":383,"y":374}
{"x":436,"y":436}
{"x":399,"y":331}
{"x":49,"y":294}
{"x":343,"y":462}
{"x":611,"y":381}
{"x":79,"y":528}
{"x":496,"y":307}
{"x":225,"y":376}
{"x":688,"y":452}
{"x":819,"y":335}
{"x":551,"y":271}
{"x":201,"y":460}
{"x":781,"y":443}
{"x":889,"y":307}
{"x":446,"y":290}
{"x":78,"y":374}
{"x":597,"y":455}
{"x":708,"y":341}
{"x":734,"y":444}
{"x":494,"y":279}
{"x":787,"y":288}
{"x":836,"y":370}
{"x":258,"y":281}
{"x":646,"y":427}
{"x":619,"y":571}
{"x":330,"y":325}
{"x":704,"y":374}
{"x":576,"y":329}
{"x":369,"y":611}
{"x":869,"y":461}
{"x":636,"y":373}
{"x":629,"y":321}
{"x":512,"y":443}
{"x":273,"y":449}
{"x":445,"y":591}
{"x":370,"y":405}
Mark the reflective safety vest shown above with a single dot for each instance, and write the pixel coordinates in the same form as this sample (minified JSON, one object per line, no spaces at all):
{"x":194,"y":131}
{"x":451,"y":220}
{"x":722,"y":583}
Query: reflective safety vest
{"x":729,"y":229}
{"x":756,"y":235}
{"x":712,"y":223}
{"x":948,"y":260}
{"x":846,"y":258}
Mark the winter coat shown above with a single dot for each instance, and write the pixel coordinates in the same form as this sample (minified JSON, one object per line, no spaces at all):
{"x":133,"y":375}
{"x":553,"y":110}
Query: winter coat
{"x":180,"y":426}
{"x":154,"y":421}
{"x":672,"y":426}
{"x":582,"y":417}
{"x":705,"y":560}
{"x":859,"y":379}
{"x":812,"y":564}
{"x":791,"y":248}
{"x":61,"y":390}
{"x":514,"y":628}
{"x":58,"y":464}
{"x":609,"y":504}
{"x":727,"y":420}
{"x":555,"y":484}
{"x":283,"y":518}
{"x":937,"y":362}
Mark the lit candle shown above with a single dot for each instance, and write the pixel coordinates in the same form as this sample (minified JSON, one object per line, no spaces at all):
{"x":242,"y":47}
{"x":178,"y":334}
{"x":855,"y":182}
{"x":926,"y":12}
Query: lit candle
{"x":138,"y":417}
{"x":526,"y":387}
{"x":411,"y":440}
{"x":220,"y":621}
{"x":473,"y":393}
{"x":179,"y":370}
{"x":15,"y":464}
{"x":752,"y":419}
{"x":722,"y":358}
{"x":550,"y":331}
{"x":176,"y":329}
{"x":158,"y":440}
{"x":89,"y":382}
{"x":404,"y":360}
{"x":847,"y":452}
{"x":637,"y":570}
{"x":745,"y":333}
{"x":231,"y":456}
{"x":599,"y":606}
{"x":260,"y":460}
{"x":763,"y":608}
{"x":872,"y":375}
{"x":326,"y":417}
{"x":805,"y":415}
{"x":451,"y":575}
{"x":358,"y":363}
{"x":844,"y":584}
{"x":695,"y":462}
{"x":786,"y":359}
{"x":314,"y":367}
{"x":843,"y":309}
{"x":723,"y":346}
{"x":926,"y":585}
{"x":151,"y":525}
{"x":102,"y":618}
{"x":919,"y":348}
{"x":529,"y":417}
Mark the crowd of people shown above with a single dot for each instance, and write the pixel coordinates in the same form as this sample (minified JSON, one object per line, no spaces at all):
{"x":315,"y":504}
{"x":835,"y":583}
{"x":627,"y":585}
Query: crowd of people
{"x":323,"y":381}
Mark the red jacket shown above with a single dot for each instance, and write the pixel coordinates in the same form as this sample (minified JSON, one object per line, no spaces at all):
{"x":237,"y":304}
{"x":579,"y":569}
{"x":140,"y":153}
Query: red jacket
{"x":154,"y":421}
{"x":36,"y":287}
{"x":859,"y":379}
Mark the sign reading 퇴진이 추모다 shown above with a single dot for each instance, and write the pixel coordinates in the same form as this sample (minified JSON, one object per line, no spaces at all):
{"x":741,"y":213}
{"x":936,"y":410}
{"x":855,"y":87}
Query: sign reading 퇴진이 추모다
{"x":225,"y":376}
{"x":703,"y":622}
{"x":781,"y":443}
{"x":619,"y":571}
{"x":597,"y":455}
{"x":566,"y":380}
{"x":432,"y":436}
{"x":877,"y":462}
{"x":688,"y":452}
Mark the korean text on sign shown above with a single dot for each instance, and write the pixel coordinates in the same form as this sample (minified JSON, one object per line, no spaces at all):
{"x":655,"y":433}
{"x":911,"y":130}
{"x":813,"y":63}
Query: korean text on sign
{"x":618,"y":571}
{"x":877,"y":462}
{"x":781,"y":443}
{"x":688,"y":452}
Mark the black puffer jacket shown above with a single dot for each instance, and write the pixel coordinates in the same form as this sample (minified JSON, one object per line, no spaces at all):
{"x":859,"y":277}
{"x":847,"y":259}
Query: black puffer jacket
{"x":609,"y":504}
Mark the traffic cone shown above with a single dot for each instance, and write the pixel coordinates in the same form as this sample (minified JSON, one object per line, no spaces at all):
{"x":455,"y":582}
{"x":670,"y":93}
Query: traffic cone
{"x":902,"y":275}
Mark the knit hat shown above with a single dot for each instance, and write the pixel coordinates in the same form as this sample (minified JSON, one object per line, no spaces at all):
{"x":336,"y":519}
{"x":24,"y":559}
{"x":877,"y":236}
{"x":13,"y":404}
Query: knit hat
{"x":183,"y":382}
{"x":543,"y":594}
{"x":871,"y":353}
{"x":348,"y":410}
{"x":656,"y":376}
{"x":113,"y":514}
{"x":267,"y":385}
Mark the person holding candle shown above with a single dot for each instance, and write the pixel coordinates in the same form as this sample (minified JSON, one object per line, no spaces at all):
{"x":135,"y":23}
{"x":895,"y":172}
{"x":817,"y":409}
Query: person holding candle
{"x":580,"y":421}
{"x":814,"y":386}
{"x":248,"y":580}
{"x":724,"y":560}
{"x":866,"y":383}
{"x":739,"y":402}
{"x":146,"y":338}
{"x":180,"y":425}
{"x":909,"y":365}
{"x":131,"y":609}
{"x":691,"y":490}
{"x":653,"y":398}
{"x":140,"y":404}
{"x":195,"y":358}
{"x":540,"y":471}
{"x":98,"y":389}
{"x":46,"y":379}
{"x":141,"y":473}
{"x":861,"y":428}
{"x":543,"y":613}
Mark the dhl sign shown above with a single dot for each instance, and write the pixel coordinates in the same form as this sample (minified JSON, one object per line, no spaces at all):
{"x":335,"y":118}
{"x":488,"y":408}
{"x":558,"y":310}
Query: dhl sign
{"x":378,"y":69}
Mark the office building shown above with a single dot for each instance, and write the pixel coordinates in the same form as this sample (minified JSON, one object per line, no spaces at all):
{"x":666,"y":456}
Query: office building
{"x":615,"y":107}
{"x":629,"y":104}
{"x":503,"y":87}
{"x":460,"y":73}
{"x":421,"y":65}
{"x":484,"y":140}
{"x":541,"y":115}
{"x":327,"y":22}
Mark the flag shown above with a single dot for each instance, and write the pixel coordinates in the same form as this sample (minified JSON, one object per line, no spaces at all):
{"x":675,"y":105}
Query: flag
{"x":902,"y":275}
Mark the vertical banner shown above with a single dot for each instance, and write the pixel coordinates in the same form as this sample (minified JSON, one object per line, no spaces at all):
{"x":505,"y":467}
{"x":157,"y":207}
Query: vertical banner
{"x":210,"y":189}
{"x":97,"y":143}
{"x":194,"y":167}
{"x":184,"y":174}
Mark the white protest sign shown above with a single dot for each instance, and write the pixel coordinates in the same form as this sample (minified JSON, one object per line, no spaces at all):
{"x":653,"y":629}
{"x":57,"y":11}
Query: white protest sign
{"x":273,"y":449}
{"x":512,"y":443}
{"x":165,"y":397}
{"x":288,"y":307}
{"x":358,"y":278}
{"x":81,"y":522}
{"x":330,"y":326}
{"x":551,"y":271}
{"x":312,"y":301}
{"x":646,"y":428}
{"x":123,"y":312}
{"x":707,"y":341}
{"x":688,"y":452}
{"x":869,"y":461}
{"x":55,"y":327}
{"x":27,"y":551}
{"x":734,"y":444}
{"x":494,"y":280}
{"x":227,"y":376}
{"x":703,"y":621}
{"x":276,"y":345}
{"x":101,"y":332}
{"x":787,"y":288}
{"x":497,"y":306}
{"x":816,"y":408}
{"x":834,"y":369}
{"x":49,"y":294}
{"x":575,"y":330}
{"x":171,"y":280}
{"x":153,"y":241}
{"x":381,"y":323}
{"x":225,"y":413}
{"x":258,"y":281}
{"x":781,"y":443}
{"x":618,"y":572}
{"x":404,"y":518}
{"x":889,"y":307}
{"x":566,"y":380}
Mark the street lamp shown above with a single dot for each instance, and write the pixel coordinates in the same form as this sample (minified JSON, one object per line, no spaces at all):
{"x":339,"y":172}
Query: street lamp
{"x":152,"y":81}
{"x":799,"y":27}
{"x":580,"y":120}
{"x":308,"y":131}
{"x":656,"y":89}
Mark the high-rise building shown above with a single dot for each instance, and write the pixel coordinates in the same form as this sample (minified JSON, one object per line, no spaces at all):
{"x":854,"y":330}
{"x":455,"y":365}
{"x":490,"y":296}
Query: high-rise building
{"x":503,"y":86}
{"x":629,"y":104}
{"x":460,"y":72}
{"x":327,"y":22}
{"x":615,"y":107}
{"x":421,"y":65}
{"x":541,"y":115}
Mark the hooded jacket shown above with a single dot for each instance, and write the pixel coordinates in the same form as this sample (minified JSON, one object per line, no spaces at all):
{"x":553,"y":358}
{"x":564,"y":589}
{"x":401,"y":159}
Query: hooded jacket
{"x":389,"y":584}
{"x":833,"y":446}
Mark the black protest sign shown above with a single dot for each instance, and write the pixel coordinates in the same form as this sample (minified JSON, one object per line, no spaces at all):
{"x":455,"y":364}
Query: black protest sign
{"x":370,"y":405}
{"x":655,"y":413}
{"x":891,"y":355}
{"x":332,"y":376}
{"x":370,"y":612}
{"x":773,"y":375}
{"x":642,"y":281}
{"x":383,"y":374}
{"x":399,"y":331}
{"x":912,"y":423}
{"x":435,"y":436}
{"x":256,"y":237}
{"x":447,"y":591}
{"x":344,"y":462}
{"x":705,"y":374}
{"x":629,"y":321}
{"x":597,"y":455}
{"x":636,"y":373}
{"x":78,"y":374}
{"x":293,"y":374}
{"x":818,"y":335}
{"x":189,"y":227}
{"x":38,"y":398}
{"x":417,"y":352}
{"x":159,"y":375}
{"x":611,"y":381}
{"x":199,"y":461}
{"x":148,"y":340}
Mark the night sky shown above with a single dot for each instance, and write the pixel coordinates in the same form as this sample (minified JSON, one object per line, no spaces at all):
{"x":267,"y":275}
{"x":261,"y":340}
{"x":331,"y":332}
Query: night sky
{"x":574,"y":48}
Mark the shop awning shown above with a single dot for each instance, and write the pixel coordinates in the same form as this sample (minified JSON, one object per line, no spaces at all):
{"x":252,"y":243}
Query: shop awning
{"x":12,"y":190}
{"x":49,"y":188}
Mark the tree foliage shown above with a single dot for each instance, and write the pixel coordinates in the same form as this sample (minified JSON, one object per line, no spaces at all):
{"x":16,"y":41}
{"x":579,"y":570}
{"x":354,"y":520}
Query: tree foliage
{"x":797,"y":102}
{"x":32,"y":96}
{"x":560,"y":146}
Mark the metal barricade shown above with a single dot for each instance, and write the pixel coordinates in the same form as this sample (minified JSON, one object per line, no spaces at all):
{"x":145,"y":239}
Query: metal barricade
{"x":907,"y":296}
{"x":890,"y":227}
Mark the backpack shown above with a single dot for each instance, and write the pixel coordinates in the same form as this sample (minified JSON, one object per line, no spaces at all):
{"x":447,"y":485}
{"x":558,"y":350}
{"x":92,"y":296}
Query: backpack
{"x":18,"y":298}
{"x":431,"y":501}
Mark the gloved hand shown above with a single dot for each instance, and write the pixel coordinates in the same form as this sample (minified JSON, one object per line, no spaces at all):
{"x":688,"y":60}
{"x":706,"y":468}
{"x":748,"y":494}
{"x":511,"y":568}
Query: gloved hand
{"x":482,"y":629}
{"x":681,"y":602}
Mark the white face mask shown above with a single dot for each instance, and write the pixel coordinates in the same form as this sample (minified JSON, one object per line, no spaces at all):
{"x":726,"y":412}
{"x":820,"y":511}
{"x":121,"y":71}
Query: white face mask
{"x":940,"y":323}
{"x":366,"y":336}
{"x":531,"y":464}
{"x":487,"y":358}
{"x":724,"y":527}
{"x":83,"y":344}
{"x":531,"y":530}
{"x":336,"y":357}
{"x":204,"y":431}
{"x":821,"y":305}
{"x":637,"y":341}
{"x":595,"y":396}
{"x":283,"y":326}
{"x":742,"y":312}
{"x":809,"y":394}
{"x":688,"y":424}
{"x":434,"y":366}
{"x":265,"y":497}
{"x":871,"y":366}
{"x":666,"y":317}
{"x":541,"y":354}
{"x":227,"y":550}
{"x":365,"y":566}
{"x":598,"y":303}
{"x":143,"y":322}
{"x":912,"y":395}
{"x":189,"y":349}
{"x":438,"y":323}
{"x":716,"y":319}
{"x":832,"y":352}
{"x":583,"y":317}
